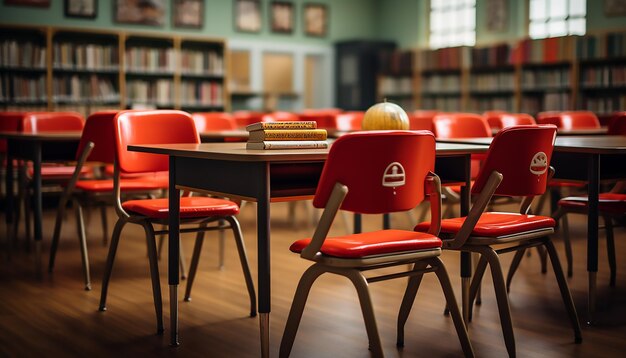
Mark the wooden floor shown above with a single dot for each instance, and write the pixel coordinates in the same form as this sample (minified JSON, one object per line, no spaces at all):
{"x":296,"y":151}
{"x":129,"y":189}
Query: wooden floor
{"x":55,"y":317}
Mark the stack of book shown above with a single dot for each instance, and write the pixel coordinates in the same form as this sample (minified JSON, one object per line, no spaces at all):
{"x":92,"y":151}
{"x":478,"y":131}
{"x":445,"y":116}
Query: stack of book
{"x":286,"y":135}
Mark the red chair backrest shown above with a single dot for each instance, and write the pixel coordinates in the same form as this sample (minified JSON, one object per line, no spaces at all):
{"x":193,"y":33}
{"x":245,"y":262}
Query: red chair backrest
{"x":280,"y":116}
{"x":100,"y":130}
{"x":460,"y":125}
{"x":493,"y":118}
{"x":9,"y":122}
{"x":571,"y":120}
{"x":522,"y":155}
{"x":150,"y":127}
{"x":244,"y":118}
{"x":383,"y":170}
{"x":36,"y":122}
{"x":323,"y":119}
{"x":515,"y":119}
{"x":349,"y":121}
{"x":617,"y":124}
{"x":422,"y":120}
{"x":214,"y":121}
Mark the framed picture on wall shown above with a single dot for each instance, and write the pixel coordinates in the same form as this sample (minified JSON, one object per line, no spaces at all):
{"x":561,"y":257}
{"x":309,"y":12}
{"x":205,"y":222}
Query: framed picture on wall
{"x":497,"y":15}
{"x":615,"y":7}
{"x":141,"y":12}
{"x":248,"y":15}
{"x":315,"y":19}
{"x":81,"y":8}
{"x":281,"y":14}
{"x":189,"y":13}
{"x":40,"y":3}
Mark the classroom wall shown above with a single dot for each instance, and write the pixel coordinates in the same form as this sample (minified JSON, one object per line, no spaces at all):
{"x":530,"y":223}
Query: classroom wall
{"x":348,"y":19}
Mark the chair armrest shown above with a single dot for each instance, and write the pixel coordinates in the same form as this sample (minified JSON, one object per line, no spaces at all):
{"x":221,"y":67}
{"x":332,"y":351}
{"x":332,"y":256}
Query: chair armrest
{"x":477,"y":209}
{"x":82,"y":159}
{"x":323,"y":226}
{"x":432,"y":186}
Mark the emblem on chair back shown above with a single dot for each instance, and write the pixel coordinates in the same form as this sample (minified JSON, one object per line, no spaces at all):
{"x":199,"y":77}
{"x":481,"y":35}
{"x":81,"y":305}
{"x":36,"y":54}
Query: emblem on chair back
{"x":394,"y":176}
{"x":539,"y":163}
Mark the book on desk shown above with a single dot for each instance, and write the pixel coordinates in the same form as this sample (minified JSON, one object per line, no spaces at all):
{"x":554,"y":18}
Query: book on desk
{"x":286,"y":135}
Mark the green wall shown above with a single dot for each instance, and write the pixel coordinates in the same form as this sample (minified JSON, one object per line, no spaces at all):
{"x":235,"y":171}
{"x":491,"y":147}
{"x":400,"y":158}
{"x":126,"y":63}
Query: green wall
{"x":348,"y":19}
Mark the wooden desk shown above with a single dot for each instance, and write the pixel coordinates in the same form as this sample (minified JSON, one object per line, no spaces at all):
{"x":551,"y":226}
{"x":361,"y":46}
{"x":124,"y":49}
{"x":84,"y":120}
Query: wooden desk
{"x":38,"y":148}
{"x":573,"y":132}
{"x":242,"y":135}
{"x":264,"y":176}
{"x":603,"y":158}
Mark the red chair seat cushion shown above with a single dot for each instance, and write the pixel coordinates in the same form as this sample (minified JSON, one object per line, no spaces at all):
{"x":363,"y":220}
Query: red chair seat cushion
{"x":373,"y":243}
{"x":494,"y":224}
{"x":138,"y":184}
{"x":190,"y":207}
{"x":556,"y":183}
{"x":61,"y":171}
{"x":613,"y":203}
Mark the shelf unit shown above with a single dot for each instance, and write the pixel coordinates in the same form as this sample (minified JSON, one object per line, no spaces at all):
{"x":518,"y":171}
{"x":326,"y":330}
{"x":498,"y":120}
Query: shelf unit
{"x":443,"y":76}
{"x":23,"y":69}
{"x":54,"y":68}
{"x":493,"y":78}
{"x":396,"y":82}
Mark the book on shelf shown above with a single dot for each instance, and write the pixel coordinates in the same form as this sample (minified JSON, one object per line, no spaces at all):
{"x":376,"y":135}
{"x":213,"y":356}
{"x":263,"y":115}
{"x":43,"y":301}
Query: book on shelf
{"x":287,"y":135}
{"x":297,"y":144}
{"x":281,"y":125}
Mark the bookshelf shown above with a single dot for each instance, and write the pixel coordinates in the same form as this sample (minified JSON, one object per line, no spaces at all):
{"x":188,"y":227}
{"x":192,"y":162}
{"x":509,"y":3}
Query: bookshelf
{"x":55,"y":68}
{"x":23,"y":69}
{"x":396,"y":81}
{"x":492,"y":79}
{"x":443,"y":78}
{"x":602,"y":77}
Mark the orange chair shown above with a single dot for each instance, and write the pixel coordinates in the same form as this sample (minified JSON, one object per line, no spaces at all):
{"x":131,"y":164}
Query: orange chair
{"x":504,"y":120}
{"x":97,"y":145}
{"x":422,"y":120}
{"x":52,"y":174}
{"x":571,"y":120}
{"x":493,"y":118}
{"x":516,"y":165}
{"x":280,"y":116}
{"x":617,"y":124}
{"x":351,"y":180}
{"x":165,"y":127}
{"x":324,"y":119}
{"x":244,"y":118}
{"x":349,"y":121}
{"x":217,"y":121}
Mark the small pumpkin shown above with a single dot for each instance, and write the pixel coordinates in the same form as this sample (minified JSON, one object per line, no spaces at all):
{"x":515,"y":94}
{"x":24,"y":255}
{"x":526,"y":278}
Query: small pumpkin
{"x":385,"y":115}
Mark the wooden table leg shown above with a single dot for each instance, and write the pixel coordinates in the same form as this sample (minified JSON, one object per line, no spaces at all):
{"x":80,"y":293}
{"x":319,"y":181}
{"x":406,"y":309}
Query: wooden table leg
{"x":592,"y":233}
{"x":173,"y":251}
{"x":263,"y":242}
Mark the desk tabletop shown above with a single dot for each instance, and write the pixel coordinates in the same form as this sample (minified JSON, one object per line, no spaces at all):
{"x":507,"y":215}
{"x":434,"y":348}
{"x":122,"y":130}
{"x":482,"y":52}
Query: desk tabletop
{"x":238,"y":151}
{"x":600,"y":144}
{"x":44,"y":136}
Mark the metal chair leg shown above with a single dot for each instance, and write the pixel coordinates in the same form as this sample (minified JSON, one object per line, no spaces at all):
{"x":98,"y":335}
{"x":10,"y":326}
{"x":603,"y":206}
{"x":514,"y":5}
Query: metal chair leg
{"x":58,"y":223}
{"x":565,"y":293}
{"x":82,"y":238}
{"x":610,"y":248}
{"x":195,"y":259}
{"x":561,"y":214}
{"x":519,"y":254}
{"x":360,"y":283}
{"x":479,"y":298}
{"x":115,"y":239}
{"x":412,"y":286}
{"x":181,"y":259}
{"x":154,"y":275}
{"x":297,"y":307}
{"x":448,"y":292}
{"x":474,"y":288}
{"x":105,"y":224}
{"x":221,"y":245}
{"x":243,"y":258}
{"x":501,"y":298}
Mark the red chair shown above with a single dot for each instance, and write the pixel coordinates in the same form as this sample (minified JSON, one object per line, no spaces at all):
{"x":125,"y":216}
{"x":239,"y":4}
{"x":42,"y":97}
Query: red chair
{"x":349,"y":121}
{"x":280,"y":116}
{"x":52,"y":174}
{"x":617,"y":124}
{"x":422,"y":120}
{"x":504,"y":120}
{"x":214,"y":121}
{"x":516,"y":165}
{"x":493,"y":118}
{"x":571,"y":120}
{"x":324,"y":119}
{"x":351,"y":180}
{"x":9,"y":122}
{"x":460,"y":125}
{"x":165,"y":127}
{"x":245,"y":118}
{"x":97,"y":145}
